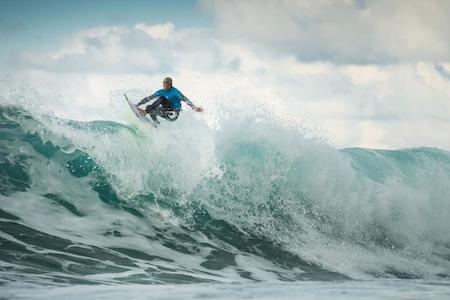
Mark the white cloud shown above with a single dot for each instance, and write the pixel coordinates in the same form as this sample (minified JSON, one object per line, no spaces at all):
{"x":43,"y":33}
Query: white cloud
{"x":158,"y":32}
{"x":366,"y":74}
{"x":341,"y":31}
{"x":138,"y":49}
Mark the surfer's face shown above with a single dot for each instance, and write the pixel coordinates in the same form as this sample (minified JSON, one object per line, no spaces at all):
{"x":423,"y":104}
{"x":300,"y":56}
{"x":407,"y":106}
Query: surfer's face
{"x":166,"y":85}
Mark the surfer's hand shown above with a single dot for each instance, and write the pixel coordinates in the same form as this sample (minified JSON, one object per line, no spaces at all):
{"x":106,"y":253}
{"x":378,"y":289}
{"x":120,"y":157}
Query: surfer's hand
{"x":198,"y":109}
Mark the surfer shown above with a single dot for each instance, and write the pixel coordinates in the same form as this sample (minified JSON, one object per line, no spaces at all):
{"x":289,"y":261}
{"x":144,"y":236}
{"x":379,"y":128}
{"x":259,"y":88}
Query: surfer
{"x":168,"y":104}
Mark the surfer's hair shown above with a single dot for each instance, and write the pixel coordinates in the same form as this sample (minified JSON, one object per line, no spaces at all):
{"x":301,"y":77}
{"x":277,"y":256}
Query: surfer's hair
{"x":168,"y":80}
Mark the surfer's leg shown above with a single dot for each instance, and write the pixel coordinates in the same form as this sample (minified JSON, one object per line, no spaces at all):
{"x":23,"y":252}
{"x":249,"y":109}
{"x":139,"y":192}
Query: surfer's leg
{"x":153,"y":113}
{"x":166,"y":110}
{"x":153,"y":108}
{"x":154,"y":105}
{"x":168,"y":113}
{"x":166,"y":103}
{"x":158,"y":108}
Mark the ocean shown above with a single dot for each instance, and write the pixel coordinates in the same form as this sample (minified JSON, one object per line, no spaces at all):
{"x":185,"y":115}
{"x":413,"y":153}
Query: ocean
{"x":251,"y":209}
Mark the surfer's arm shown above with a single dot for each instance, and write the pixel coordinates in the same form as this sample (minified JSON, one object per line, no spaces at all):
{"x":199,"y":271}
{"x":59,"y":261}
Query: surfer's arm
{"x":189,"y":102}
{"x":146,"y":99}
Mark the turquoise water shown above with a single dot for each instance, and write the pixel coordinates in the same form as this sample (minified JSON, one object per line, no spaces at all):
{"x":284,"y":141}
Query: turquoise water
{"x":107,"y":203}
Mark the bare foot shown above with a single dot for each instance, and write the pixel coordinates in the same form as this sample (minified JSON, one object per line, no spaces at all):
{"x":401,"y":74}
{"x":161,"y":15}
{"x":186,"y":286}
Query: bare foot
{"x":141,"y":111}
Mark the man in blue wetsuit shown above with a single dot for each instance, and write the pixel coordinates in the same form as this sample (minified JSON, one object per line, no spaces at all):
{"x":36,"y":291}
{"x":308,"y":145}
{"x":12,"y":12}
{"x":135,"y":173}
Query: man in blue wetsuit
{"x":168,"y":104}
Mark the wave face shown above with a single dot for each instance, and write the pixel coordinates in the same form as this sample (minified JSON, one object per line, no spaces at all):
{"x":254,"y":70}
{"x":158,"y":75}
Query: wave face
{"x":103,"y":202}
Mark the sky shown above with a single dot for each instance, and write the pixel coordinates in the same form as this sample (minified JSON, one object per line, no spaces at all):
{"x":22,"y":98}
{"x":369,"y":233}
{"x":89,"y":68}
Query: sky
{"x":360,"y":73}
{"x":30,"y":24}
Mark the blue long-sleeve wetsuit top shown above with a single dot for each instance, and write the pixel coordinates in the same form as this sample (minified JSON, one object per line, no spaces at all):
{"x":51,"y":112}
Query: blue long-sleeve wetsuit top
{"x":173,"y":95}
